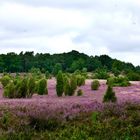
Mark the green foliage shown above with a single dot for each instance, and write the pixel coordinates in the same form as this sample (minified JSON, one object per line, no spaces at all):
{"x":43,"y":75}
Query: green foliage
{"x":95,"y":85}
{"x":60,"y":84}
{"x":42,"y":87}
{"x":133,"y":76}
{"x":9,"y":90}
{"x":73,"y":83}
{"x":67,"y":88}
{"x":77,"y":72}
{"x":118,"y":81}
{"x":77,"y":64}
{"x":116,"y":72}
{"x":68,"y":62}
{"x":22,"y":88}
{"x":70,"y":85}
{"x":80,"y":80}
{"x":47,"y":75}
{"x":39,"y":123}
{"x":57,"y":68}
{"x":94,"y":117}
{"x":79,"y":92}
{"x":109,"y":95}
{"x":101,"y":74}
{"x":5,"y":80}
{"x":31,"y":86}
{"x":35,"y":71}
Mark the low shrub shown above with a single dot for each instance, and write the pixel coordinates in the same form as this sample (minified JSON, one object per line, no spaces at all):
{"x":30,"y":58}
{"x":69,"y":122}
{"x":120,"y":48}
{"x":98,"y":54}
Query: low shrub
{"x":109,"y":95}
{"x":101,"y":74}
{"x":59,"y":84}
{"x":73,"y":84}
{"x":133,"y":76}
{"x":42,"y":87}
{"x":22,"y":88}
{"x":5,"y":80}
{"x":9,"y":90}
{"x":118,"y":81}
{"x":31,"y":86}
{"x":79,"y":92}
{"x":80,"y":80}
{"x":95,"y":85}
{"x":70,"y":85}
{"x":67,"y":89}
{"x":47,"y":75}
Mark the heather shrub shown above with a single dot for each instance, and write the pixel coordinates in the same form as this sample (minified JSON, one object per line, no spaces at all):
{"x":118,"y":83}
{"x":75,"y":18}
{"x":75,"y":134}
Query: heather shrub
{"x":118,"y":81}
{"x":42,"y":87}
{"x":109,"y":95}
{"x":5,"y":80}
{"x":40,"y":123}
{"x":9,"y":90}
{"x":79,"y":92}
{"x":60,"y":84}
{"x":80,"y":80}
{"x":133,"y":76}
{"x":31,"y":86}
{"x":95,"y":85}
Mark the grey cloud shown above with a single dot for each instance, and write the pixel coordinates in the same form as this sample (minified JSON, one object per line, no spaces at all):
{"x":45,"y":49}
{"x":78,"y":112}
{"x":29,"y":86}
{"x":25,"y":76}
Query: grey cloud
{"x":110,"y":24}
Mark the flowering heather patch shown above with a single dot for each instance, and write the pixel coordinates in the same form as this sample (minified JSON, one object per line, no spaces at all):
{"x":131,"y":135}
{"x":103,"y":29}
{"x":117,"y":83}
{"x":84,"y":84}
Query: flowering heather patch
{"x":66,"y":108}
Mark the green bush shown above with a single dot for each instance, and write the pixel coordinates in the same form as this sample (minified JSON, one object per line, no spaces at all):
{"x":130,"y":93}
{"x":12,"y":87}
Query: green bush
{"x":67,"y":89}
{"x":70,"y":85}
{"x":95,"y":85}
{"x":73,"y":84}
{"x":57,"y":68}
{"x":118,"y":81}
{"x":42,"y":87}
{"x":47,"y":75}
{"x":9,"y":90}
{"x":31,"y":86}
{"x":101,"y":74}
{"x":79,"y":92}
{"x":60,"y":84}
{"x":5,"y":80}
{"x":22,"y":88}
{"x":80,"y":80}
{"x":133,"y":76}
{"x":35,"y":71}
{"x":109,"y":95}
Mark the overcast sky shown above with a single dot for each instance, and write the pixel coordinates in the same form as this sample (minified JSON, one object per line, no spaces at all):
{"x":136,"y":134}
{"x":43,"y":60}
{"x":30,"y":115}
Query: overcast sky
{"x":94,"y":27}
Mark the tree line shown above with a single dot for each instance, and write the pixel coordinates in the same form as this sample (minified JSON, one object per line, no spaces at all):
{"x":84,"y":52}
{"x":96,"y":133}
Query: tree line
{"x":67,"y":62}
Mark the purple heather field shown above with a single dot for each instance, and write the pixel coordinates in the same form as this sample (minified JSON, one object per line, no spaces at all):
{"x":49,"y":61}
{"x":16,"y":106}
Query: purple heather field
{"x":68,"y":107}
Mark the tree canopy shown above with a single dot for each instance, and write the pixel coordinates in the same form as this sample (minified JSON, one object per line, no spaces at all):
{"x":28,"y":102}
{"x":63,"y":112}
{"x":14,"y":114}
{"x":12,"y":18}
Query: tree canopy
{"x":67,"y":62}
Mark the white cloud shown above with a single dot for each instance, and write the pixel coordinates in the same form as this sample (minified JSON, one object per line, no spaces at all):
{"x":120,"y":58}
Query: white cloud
{"x":94,"y":27}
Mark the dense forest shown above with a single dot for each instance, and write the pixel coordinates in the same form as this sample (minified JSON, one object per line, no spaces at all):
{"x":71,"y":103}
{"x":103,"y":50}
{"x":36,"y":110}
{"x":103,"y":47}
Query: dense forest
{"x":67,"y":62}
